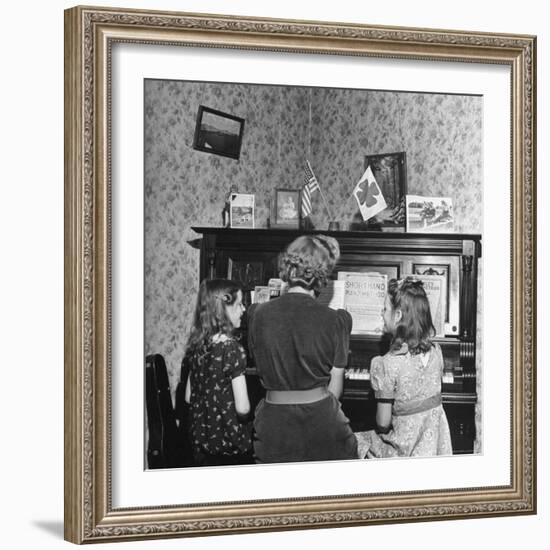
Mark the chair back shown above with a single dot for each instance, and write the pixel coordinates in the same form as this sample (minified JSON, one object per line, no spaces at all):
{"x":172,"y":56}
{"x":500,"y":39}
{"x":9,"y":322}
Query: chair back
{"x":164,"y":449}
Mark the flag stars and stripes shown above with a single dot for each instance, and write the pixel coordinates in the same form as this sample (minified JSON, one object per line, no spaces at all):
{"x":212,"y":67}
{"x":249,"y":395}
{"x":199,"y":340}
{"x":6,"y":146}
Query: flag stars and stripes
{"x":310,"y":186}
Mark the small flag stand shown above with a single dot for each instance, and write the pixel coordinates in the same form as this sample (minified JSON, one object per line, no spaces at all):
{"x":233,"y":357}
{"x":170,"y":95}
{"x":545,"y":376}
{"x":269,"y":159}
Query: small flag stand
{"x":311,"y":185}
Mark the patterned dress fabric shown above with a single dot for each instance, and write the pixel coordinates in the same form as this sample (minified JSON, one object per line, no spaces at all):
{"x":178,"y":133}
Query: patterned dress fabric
{"x":215,"y":427}
{"x":414,"y":386}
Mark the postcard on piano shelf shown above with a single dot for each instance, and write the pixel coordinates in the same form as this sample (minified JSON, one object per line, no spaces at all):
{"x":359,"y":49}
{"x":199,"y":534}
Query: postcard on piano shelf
{"x":261,"y":294}
{"x":365,"y":293}
{"x":333,"y":295}
{"x":241,"y":211}
{"x":429,"y":214}
{"x":276,"y":287}
{"x":436,"y":291}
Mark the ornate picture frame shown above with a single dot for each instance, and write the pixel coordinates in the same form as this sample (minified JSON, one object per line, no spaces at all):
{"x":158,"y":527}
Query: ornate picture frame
{"x":91,"y":34}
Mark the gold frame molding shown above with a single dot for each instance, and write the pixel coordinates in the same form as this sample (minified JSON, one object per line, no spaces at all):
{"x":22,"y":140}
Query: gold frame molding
{"x":89,"y":35}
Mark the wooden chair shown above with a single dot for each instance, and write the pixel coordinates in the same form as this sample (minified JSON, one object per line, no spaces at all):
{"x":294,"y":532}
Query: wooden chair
{"x":168,"y":445}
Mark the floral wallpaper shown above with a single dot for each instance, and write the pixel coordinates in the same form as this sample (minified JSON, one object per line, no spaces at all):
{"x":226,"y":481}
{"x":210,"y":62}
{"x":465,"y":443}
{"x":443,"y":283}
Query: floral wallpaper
{"x":284,"y":126}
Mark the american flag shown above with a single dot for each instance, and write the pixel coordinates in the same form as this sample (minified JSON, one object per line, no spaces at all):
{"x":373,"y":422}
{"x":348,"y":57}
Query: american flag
{"x":311,"y":184}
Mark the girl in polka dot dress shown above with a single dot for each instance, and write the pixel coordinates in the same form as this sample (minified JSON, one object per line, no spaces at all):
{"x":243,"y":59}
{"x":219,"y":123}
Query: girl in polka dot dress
{"x":216,"y":386}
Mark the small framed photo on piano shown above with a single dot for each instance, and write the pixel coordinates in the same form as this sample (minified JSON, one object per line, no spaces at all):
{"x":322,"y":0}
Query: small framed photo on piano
{"x":286,"y":212}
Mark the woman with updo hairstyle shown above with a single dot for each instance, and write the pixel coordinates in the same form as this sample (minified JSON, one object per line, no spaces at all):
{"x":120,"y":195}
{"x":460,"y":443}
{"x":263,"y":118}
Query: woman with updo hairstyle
{"x":308,"y":262}
{"x":300,"y":349}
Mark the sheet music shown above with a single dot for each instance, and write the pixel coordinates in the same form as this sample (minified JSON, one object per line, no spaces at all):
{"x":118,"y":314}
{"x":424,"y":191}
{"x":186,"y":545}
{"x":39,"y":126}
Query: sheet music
{"x":365,"y":293}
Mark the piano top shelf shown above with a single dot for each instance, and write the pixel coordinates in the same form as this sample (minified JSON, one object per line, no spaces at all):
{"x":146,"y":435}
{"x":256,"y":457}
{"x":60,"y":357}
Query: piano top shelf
{"x":263,"y":231}
{"x":376,"y":241}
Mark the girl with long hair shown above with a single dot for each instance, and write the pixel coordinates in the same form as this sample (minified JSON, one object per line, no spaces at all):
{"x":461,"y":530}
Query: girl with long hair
{"x":407,"y":380}
{"x":216,"y":386}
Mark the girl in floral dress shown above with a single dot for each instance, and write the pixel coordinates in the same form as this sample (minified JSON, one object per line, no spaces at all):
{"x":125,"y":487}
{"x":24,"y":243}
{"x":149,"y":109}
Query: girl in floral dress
{"x":216,"y":386}
{"x":407,"y":381}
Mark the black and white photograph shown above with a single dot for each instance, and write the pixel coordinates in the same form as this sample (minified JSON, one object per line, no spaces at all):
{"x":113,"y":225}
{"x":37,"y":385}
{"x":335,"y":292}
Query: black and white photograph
{"x":287,"y":208}
{"x":218,"y":133}
{"x":254,"y":338}
{"x":262,"y":379}
{"x":241,"y":210}
{"x":429,"y":214}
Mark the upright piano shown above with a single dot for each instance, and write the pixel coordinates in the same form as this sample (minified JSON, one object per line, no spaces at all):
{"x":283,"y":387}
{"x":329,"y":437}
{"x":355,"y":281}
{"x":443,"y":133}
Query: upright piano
{"x":250,"y":256}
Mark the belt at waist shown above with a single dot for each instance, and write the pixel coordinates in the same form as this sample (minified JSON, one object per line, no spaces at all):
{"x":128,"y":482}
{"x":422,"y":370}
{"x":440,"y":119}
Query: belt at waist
{"x":296,"y":397}
{"x":413,"y":407}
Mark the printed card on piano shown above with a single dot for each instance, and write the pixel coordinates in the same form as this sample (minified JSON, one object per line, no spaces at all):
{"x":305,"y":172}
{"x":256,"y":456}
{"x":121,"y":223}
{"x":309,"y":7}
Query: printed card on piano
{"x":260,"y":294}
{"x":365,"y":293}
{"x":276,"y":287}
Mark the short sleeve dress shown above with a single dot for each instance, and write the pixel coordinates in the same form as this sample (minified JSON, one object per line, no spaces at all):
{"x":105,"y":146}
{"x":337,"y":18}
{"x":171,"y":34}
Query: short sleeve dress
{"x":215,"y":426}
{"x":295,"y":342}
{"x":419,"y":423}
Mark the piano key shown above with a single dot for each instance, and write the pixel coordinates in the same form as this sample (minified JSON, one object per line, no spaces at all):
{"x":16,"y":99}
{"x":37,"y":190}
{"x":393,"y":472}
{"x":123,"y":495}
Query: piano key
{"x":448,"y":378}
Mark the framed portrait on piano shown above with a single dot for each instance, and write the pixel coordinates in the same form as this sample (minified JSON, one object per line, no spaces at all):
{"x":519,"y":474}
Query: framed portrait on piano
{"x":287,"y":207}
{"x":138,"y":191}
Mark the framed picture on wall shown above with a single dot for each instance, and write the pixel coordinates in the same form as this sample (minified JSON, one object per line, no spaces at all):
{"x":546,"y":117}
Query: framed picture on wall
{"x":109,"y":494}
{"x":218,"y":133}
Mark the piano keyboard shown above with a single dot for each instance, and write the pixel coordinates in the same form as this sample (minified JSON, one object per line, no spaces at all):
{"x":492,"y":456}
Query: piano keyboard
{"x":357,"y":374}
{"x":364,"y":374}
